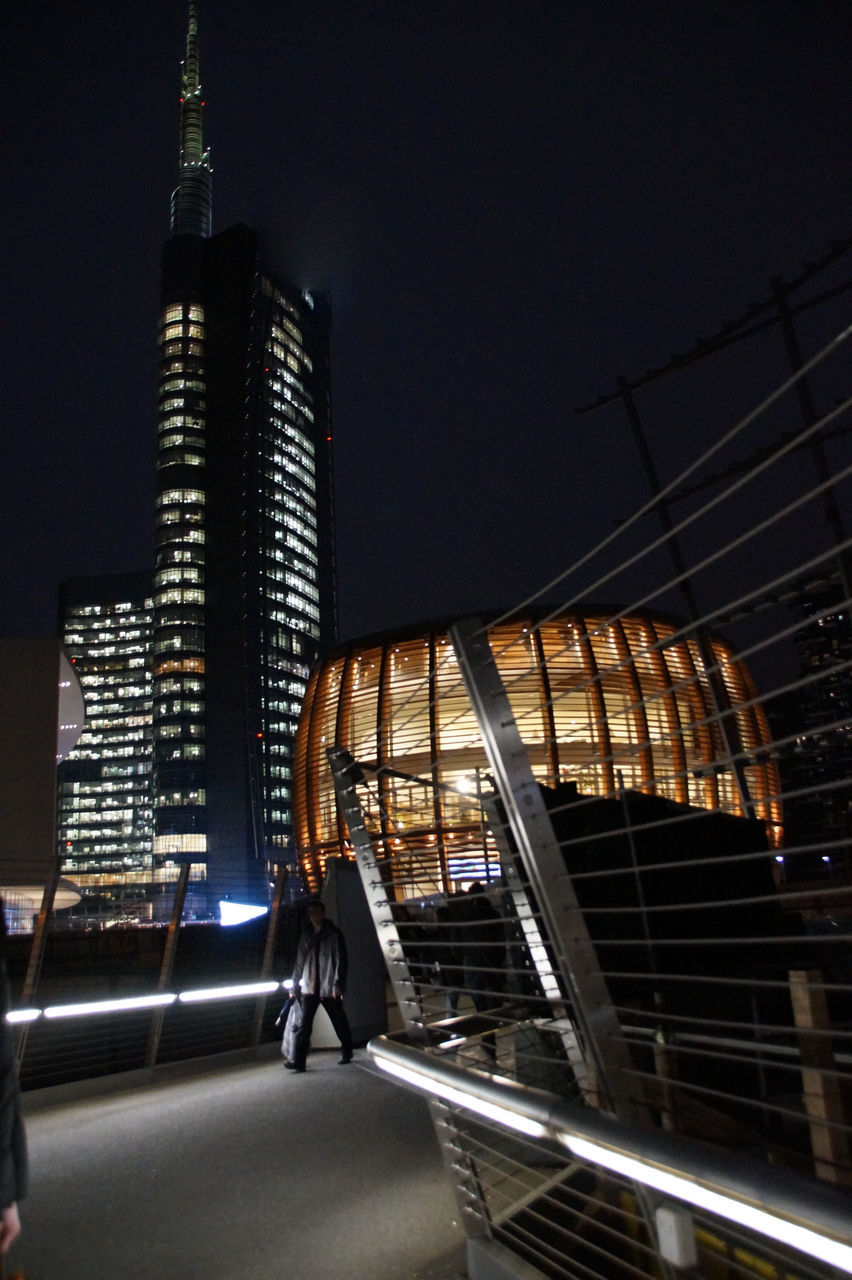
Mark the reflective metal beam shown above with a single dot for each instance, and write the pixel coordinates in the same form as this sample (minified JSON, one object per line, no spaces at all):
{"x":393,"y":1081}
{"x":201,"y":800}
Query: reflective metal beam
{"x":778,"y":1204}
{"x":345,"y":772}
{"x":544,"y":867}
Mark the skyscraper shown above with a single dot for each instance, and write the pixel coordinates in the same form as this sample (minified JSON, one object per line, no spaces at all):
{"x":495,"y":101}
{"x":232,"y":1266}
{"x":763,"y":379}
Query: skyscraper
{"x":243,"y":596}
{"x":244,"y":562}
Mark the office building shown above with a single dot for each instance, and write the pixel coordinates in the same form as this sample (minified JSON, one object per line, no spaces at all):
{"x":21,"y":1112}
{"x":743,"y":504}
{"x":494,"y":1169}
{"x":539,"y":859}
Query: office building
{"x":194,"y":676}
{"x":104,"y":819}
{"x":243,"y":592}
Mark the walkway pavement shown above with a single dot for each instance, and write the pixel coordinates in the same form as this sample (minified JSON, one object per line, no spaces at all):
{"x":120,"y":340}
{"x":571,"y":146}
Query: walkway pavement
{"x":242,"y":1172}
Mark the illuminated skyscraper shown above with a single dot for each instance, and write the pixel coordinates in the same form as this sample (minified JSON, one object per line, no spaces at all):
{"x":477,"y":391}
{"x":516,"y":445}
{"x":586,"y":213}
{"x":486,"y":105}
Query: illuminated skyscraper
{"x":244,"y":562}
{"x":104,"y":797}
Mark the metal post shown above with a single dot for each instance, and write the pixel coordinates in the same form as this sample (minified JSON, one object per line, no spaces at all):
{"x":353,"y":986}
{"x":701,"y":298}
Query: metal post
{"x":344,"y":770}
{"x":545,"y":870}
{"x":39,"y":939}
{"x":36,"y":959}
{"x":168,"y":963}
{"x":465,"y":1182}
{"x":547,"y":971}
{"x":467,"y":1187}
{"x":269,"y":950}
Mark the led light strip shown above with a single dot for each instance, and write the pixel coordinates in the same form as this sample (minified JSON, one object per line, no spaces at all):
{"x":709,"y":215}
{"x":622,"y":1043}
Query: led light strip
{"x":107,"y":1006}
{"x":490,"y":1110}
{"x":681,"y":1187}
{"x":23,"y":1015}
{"x":768,"y":1224}
{"x":227,"y":993}
{"x":128,"y":1003}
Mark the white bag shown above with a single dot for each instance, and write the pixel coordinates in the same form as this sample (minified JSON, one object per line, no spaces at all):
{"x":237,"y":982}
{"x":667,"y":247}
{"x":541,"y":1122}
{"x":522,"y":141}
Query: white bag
{"x":292,"y":1026}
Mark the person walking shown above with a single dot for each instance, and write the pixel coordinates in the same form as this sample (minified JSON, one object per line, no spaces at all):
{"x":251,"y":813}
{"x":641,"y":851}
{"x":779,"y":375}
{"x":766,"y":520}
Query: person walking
{"x":319,"y":978}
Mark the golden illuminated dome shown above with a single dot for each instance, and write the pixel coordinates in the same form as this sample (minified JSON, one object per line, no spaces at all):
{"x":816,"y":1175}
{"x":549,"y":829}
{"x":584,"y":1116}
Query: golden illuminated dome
{"x":608,"y":703}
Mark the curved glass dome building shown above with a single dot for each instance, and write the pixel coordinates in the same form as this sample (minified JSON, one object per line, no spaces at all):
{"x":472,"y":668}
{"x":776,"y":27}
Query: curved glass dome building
{"x":606,"y":702}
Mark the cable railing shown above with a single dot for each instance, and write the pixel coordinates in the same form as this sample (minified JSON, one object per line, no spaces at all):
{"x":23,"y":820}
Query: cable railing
{"x":134,"y":998}
{"x":644,"y":914}
{"x":607,"y":852}
{"x":64,"y":1044}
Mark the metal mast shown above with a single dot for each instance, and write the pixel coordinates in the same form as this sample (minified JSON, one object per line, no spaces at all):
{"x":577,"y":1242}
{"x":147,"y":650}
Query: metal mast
{"x":192,"y":198}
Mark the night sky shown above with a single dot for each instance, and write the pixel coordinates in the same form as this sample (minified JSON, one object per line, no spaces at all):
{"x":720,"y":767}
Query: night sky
{"x":512,"y":202}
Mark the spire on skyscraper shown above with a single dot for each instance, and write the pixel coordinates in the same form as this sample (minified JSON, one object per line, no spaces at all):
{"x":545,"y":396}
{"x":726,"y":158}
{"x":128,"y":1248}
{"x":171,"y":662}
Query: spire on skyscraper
{"x":192,"y":198}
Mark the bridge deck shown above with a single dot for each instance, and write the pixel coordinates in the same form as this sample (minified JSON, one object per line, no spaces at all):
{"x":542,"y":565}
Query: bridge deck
{"x":240,"y":1173}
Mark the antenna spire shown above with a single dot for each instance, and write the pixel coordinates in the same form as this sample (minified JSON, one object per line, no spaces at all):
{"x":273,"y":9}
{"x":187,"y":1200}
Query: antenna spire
{"x":192,"y":198}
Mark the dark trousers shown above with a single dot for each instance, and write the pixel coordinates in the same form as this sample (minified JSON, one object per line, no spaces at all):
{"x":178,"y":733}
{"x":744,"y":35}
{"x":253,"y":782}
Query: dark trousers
{"x":483,"y":1001}
{"x":337,"y":1015}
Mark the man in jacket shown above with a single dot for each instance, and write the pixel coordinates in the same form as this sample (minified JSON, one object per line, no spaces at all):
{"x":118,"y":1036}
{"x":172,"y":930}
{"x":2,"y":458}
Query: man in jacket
{"x":320,"y":978}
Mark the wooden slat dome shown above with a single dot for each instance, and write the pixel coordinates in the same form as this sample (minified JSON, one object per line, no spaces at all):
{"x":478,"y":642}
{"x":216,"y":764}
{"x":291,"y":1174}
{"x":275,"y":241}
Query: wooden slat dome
{"x":601,"y":701}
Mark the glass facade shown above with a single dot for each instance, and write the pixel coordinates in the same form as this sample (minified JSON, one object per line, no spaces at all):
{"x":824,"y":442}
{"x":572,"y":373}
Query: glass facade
{"x":284,"y":577}
{"x":194,"y":687}
{"x":604,"y":703}
{"x":243,"y":585}
{"x":104,"y":785}
{"x":178,"y":642}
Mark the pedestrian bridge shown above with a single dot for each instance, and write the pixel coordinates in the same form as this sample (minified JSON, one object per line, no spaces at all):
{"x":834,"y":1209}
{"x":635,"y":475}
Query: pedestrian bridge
{"x":236,"y":1168}
{"x":606,"y":864}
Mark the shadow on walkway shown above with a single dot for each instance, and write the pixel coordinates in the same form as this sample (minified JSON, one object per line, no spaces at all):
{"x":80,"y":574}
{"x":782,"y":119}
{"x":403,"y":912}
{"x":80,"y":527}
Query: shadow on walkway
{"x":240,"y":1173}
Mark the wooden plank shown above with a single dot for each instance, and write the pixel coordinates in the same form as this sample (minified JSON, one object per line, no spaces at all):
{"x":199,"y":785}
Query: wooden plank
{"x":821,"y":1087}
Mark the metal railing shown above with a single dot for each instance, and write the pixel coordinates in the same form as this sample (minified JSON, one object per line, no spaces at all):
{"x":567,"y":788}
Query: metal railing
{"x":634,"y":1017}
{"x":133,"y":999}
{"x":627,"y":985}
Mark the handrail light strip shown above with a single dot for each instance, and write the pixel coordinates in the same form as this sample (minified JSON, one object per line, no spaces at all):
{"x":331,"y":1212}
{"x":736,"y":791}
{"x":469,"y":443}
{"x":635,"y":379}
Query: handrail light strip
{"x":109,"y":1006}
{"x":467,"y":1090}
{"x":226,"y":993}
{"x":798,"y":1237}
{"x":23,"y":1015}
{"x":128,"y":1003}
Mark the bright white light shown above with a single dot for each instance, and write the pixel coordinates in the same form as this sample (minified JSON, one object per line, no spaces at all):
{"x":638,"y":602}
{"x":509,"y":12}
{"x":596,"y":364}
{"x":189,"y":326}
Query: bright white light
{"x":109,"y":1006}
{"x":238,"y":912}
{"x":745,"y":1215}
{"x":490,"y":1110}
{"x":453,"y":1043}
{"x":226,"y":993}
{"x":23,"y":1015}
{"x":677,"y":1186}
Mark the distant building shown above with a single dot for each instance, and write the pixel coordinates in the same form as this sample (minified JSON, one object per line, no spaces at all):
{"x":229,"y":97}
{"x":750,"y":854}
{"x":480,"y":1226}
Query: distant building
{"x":104,"y":820}
{"x":194,"y":678}
{"x":243,"y":593}
{"x":606,"y":704}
